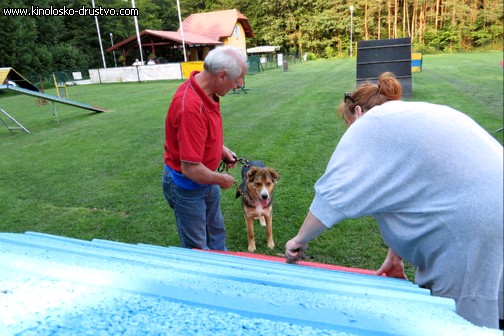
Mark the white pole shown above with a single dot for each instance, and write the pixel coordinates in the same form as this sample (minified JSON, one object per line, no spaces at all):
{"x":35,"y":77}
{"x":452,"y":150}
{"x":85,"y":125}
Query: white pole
{"x":351,"y":29}
{"x":99,"y":37}
{"x":113,"y":51}
{"x":181,"y":30}
{"x":137,"y":33}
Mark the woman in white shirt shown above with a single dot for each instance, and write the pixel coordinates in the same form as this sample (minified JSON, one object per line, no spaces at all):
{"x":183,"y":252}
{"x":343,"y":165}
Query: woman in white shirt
{"x":433,"y":180}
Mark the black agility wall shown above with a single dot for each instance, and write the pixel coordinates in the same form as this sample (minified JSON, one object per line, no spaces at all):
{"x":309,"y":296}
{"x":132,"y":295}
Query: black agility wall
{"x":378,"y":56}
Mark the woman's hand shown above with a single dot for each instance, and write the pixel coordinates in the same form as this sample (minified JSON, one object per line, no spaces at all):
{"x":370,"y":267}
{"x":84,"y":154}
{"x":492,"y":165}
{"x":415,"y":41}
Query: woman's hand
{"x":294,"y":250}
{"x":392,"y":266}
{"x":298,"y":245}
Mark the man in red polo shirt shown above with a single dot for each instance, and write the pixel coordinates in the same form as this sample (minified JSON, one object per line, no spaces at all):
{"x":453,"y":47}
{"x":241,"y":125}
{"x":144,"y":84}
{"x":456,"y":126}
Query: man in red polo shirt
{"x":194,"y":147}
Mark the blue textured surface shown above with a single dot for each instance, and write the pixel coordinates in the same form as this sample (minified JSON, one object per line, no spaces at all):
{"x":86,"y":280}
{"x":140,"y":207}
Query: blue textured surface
{"x":52,"y":285}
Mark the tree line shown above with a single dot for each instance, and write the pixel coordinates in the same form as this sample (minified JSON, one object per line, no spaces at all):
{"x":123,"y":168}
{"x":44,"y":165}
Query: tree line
{"x":322,"y":28}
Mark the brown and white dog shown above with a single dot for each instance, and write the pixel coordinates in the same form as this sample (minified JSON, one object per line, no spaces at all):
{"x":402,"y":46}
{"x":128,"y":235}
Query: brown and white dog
{"x":258,"y":183}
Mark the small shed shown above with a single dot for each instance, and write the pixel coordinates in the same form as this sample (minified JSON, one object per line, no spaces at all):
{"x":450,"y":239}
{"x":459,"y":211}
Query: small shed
{"x":261,"y":56}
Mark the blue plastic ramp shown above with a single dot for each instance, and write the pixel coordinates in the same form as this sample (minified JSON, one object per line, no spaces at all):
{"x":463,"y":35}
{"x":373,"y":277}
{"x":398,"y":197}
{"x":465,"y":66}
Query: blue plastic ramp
{"x":52,"y":285}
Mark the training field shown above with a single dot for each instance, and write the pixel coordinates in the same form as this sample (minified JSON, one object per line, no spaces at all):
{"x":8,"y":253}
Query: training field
{"x":99,"y":175}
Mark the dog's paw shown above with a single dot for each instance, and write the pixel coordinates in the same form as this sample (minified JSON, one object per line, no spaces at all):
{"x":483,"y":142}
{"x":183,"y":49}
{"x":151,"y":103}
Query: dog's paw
{"x":271,"y":244}
{"x":262,"y":220}
{"x":251,"y":248}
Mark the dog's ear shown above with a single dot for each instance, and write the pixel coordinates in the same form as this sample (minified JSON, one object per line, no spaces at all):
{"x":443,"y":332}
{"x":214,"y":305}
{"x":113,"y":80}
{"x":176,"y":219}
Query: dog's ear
{"x":274,"y":174}
{"x":251,"y":173}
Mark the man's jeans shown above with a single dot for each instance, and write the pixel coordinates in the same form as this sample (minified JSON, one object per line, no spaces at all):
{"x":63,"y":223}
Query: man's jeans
{"x":197,"y":214}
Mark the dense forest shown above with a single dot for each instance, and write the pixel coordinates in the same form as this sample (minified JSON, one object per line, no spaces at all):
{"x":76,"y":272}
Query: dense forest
{"x":37,"y":44}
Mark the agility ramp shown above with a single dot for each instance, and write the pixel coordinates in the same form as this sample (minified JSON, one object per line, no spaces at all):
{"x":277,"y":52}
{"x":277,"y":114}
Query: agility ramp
{"x":52,"y":98}
{"x":53,"y":285}
{"x":12,"y":80}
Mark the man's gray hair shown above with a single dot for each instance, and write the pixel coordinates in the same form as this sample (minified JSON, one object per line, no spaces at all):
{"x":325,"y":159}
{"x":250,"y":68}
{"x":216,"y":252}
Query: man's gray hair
{"x":227,"y":59}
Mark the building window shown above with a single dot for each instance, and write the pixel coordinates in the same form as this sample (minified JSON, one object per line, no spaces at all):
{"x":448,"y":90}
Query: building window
{"x":236,"y":31}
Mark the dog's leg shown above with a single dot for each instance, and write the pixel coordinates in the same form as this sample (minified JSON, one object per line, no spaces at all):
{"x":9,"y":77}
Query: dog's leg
{"x":262,"y":220}
{"x":269,"y":231}
{"x":250,"y":233}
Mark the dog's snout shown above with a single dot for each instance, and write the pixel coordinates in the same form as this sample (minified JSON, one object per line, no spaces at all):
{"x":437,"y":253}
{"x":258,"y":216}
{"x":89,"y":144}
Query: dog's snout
{"x":264,"y":194}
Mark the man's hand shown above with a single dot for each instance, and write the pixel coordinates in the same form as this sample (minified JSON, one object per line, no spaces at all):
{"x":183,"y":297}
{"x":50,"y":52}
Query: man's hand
{"x":201,"y":174}
{"x":226,"y":181}
{"x":228,"y":157}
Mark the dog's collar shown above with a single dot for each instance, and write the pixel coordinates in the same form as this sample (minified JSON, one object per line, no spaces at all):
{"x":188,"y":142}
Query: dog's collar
{"x":246,"y":198}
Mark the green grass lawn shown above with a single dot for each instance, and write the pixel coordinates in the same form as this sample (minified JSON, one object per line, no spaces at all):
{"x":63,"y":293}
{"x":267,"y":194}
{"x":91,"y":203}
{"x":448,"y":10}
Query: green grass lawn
{"x":99,"y":175}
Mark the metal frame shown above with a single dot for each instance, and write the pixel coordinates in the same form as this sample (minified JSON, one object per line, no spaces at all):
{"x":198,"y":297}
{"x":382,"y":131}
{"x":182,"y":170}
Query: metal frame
{"x":18,"y":127}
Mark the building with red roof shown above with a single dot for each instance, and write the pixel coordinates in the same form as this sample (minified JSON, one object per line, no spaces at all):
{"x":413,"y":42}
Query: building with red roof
{"x":227,"y":26}
{"x":200,"y":33}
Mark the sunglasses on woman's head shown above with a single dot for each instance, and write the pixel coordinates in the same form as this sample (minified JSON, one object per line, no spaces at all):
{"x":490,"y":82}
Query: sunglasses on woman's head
{"x":348,"y":96}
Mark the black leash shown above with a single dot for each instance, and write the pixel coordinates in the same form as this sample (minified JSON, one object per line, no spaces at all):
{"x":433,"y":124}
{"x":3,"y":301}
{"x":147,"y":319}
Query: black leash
{"x":243,"y":161}
{"x":224,"y":163}
{"x":223,"y":167}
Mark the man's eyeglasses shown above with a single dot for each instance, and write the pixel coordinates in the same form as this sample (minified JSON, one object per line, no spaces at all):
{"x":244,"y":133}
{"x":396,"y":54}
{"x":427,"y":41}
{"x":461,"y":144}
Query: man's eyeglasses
{"x":348,"y":96}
